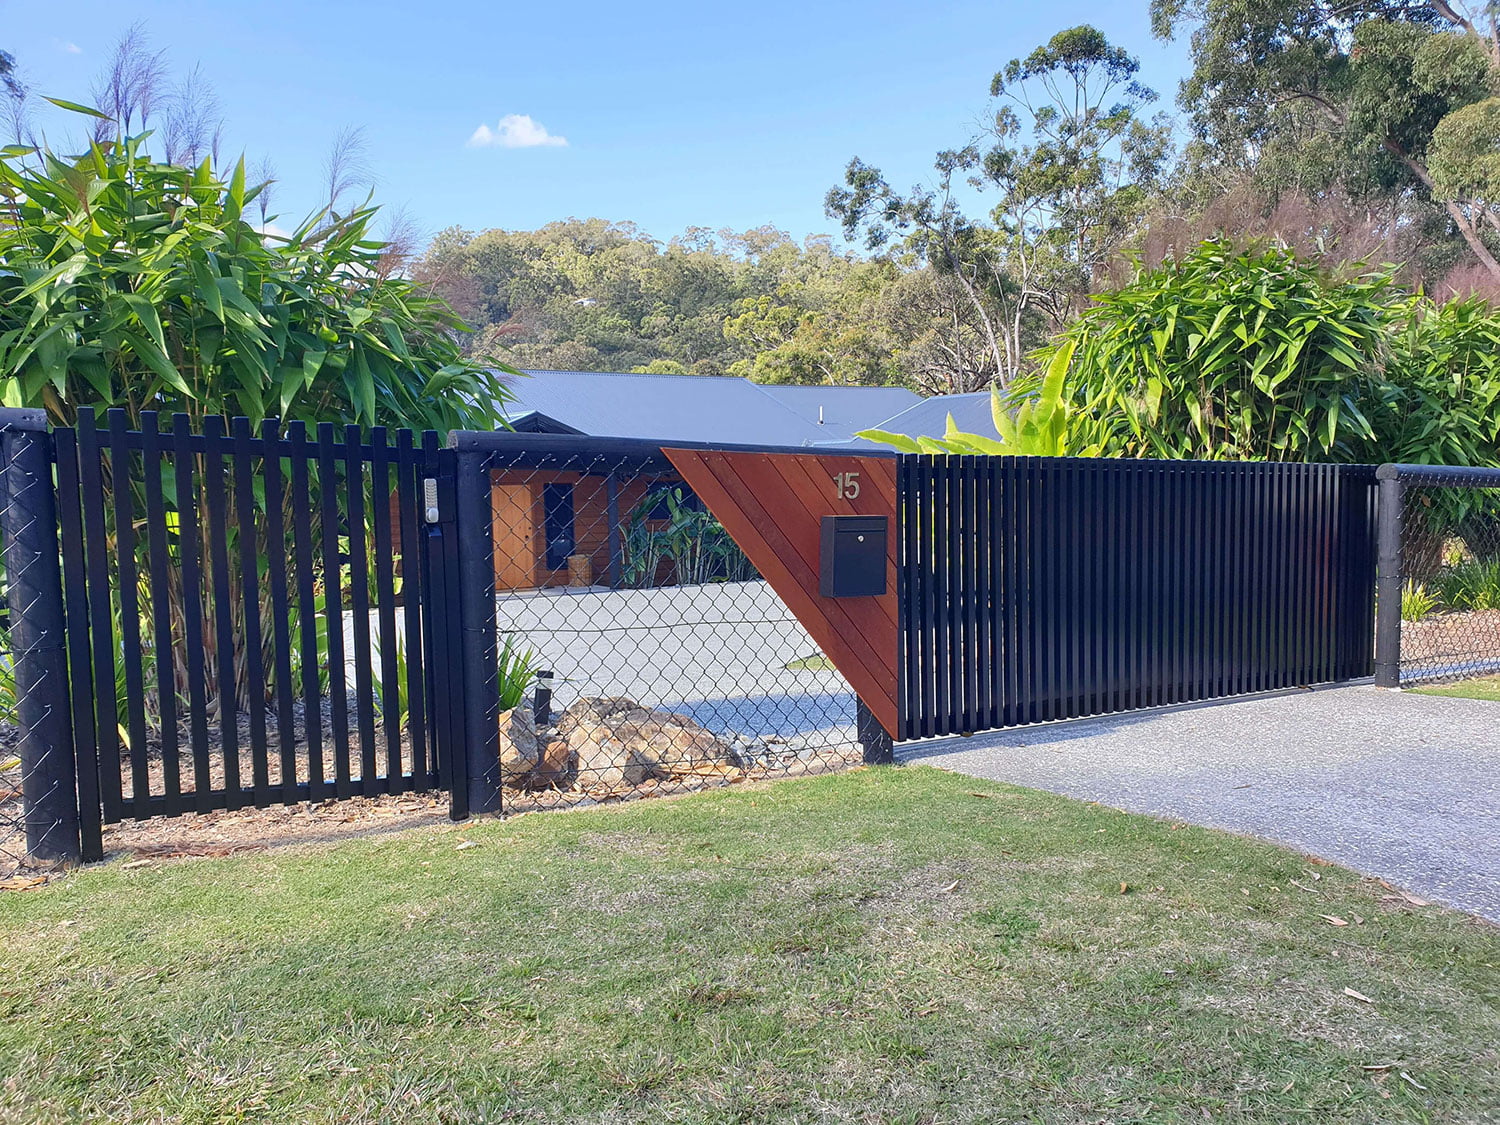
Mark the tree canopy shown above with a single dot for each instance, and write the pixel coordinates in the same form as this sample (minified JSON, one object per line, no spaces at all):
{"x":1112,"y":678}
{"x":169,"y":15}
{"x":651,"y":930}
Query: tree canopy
{"x":1388,"y":100}
{"x":1064,"y":168}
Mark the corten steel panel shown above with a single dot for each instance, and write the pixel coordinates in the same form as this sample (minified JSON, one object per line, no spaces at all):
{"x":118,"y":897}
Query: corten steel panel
{"x":773,"y":505}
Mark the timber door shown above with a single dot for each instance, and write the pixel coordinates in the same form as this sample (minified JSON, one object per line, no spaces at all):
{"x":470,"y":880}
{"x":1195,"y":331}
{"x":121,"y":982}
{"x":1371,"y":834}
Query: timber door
{"x":515,"y":537}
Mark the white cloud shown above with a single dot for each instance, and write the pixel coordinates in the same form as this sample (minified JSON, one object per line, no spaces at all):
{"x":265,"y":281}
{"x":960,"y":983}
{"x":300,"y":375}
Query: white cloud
{"x":70,"y":48}
{"x":515,"y":130}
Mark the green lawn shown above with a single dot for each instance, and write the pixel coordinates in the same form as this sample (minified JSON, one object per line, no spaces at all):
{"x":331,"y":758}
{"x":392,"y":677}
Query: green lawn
{"x":1482,"y":687}
{"x":899,"y":945}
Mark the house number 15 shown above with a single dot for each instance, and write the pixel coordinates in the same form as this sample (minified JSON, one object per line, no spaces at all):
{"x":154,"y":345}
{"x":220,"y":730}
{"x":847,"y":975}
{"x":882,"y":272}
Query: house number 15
{"x":846,"y":486}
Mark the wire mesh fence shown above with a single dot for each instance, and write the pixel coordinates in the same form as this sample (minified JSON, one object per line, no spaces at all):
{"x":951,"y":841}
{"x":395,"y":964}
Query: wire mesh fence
{"x":1450,"y":578}
{"x":639,"y":651}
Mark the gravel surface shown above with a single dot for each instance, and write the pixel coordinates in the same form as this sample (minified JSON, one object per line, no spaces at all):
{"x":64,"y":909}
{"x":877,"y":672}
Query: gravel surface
{"x":1404,"y":787}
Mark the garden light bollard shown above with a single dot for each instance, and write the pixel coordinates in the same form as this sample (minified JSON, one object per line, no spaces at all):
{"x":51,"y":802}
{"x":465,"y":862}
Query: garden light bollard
{"x":34,"y":598}
{"x":1388,"y":580}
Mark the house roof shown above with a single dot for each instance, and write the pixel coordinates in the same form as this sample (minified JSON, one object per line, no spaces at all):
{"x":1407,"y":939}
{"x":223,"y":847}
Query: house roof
{"x":928,"y":417}
{"x":697,"y":408}
{"x":843,"y":411}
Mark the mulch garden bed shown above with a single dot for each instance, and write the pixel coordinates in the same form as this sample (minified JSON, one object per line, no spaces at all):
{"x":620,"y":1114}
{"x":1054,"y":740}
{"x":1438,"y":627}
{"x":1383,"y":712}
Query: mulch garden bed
{"x":1451,"y":645}
{"x":227,"y":832}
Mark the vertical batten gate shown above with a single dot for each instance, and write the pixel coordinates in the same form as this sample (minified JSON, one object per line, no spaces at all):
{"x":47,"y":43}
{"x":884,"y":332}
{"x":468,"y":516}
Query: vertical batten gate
{"x":1035,"y":589}
{"x":256,"y":616}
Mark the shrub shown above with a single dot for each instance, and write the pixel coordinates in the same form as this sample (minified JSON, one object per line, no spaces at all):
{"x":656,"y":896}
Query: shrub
{"x":1416,"y":602}
{"x":1229,"y":354}
{"x":125,"y":281}
{"x":518,"y":669}
{"x":1470,"y":585}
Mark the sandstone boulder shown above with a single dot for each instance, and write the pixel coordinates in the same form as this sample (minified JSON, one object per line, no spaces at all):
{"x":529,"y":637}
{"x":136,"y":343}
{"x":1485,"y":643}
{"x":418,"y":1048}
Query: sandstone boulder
{"x":602,"y":758}
{"x":615,"y":741}
{"x":556,"y":766}
{"x":520,"y":749}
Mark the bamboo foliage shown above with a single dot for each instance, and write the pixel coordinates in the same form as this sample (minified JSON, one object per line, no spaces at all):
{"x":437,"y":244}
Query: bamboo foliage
{"x":128,"y":282}
{"x":1229,"y":354}
{"x":1033,"y":418}
{"x":133,"y":283}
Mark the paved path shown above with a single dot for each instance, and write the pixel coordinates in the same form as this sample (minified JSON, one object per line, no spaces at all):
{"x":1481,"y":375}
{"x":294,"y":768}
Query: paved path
{"x":1403,"y":786}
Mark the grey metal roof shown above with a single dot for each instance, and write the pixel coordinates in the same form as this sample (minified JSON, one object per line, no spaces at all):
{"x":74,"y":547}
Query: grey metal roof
{"x":843,"y":411}
{"x":699,"y":408}
{"x":929,"y":417}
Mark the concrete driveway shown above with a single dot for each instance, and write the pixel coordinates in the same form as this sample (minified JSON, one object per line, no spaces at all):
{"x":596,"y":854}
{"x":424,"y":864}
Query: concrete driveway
{"x":1402,"y":786}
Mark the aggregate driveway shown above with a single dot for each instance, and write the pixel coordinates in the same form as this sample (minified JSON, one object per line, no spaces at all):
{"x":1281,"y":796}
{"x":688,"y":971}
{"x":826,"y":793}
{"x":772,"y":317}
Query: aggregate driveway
{"x":1402,"y":786}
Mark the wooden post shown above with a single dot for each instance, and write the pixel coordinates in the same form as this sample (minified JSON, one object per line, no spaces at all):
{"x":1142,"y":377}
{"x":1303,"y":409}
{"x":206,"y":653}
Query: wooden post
{"x":612,"y":514}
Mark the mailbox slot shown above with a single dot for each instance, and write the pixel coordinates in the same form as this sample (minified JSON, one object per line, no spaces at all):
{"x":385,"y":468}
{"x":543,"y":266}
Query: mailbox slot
{"x":851,"y":562}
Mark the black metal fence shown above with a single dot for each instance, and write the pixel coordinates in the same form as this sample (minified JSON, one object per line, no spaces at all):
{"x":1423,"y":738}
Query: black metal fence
{"x":1036,"y":589}
{"x":1439,"y":604}
{"x":217,"y":618}
{"x":251,"y":617}
{"x":213,"y":619}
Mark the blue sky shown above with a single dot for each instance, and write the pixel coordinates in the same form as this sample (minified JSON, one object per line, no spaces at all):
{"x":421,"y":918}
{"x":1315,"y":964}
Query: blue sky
{"x":673,"y":114}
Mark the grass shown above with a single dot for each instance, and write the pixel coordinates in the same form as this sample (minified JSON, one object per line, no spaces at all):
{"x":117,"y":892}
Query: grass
{"x":816,"y":663}
{"x":899,"y":945}
{"x":1481,"y":687}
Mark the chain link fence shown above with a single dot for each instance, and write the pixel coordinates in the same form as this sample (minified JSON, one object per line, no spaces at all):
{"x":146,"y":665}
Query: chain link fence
{"x":639,"y":651}
{"x":1449,"y":575}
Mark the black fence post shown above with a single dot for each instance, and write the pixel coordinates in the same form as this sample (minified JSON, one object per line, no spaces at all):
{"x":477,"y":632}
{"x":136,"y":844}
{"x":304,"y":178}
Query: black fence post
{"x":479,"y":643}
{"x":443,"y":625}
{"x":874,"y":739}
{"x":1388,"y":580}
{"x":49,"y":792}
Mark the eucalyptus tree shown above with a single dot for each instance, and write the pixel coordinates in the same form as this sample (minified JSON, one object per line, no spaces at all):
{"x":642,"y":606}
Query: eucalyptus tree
{"x":1063,"y":169}
{"x":1387,"y":99}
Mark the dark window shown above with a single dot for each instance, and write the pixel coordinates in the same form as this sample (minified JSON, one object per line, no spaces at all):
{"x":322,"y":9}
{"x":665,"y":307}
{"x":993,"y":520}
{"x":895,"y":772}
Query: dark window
{"x":557,"y":523}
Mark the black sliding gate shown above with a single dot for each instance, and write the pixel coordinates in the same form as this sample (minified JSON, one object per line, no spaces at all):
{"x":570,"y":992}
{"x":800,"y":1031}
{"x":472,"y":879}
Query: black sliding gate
{"x":1034,"y":589}
{"x":254,"y":617}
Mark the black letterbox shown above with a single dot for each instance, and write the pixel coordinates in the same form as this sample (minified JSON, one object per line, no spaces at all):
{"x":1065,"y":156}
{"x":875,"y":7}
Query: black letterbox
{"x":852,"y":558}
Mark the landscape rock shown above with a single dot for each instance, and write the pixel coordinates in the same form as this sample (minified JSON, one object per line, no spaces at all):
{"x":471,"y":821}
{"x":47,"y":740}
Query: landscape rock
{"x":520,"y":749}
{"x":557,"y":764}
{"x":615,"y":741}
{"x":603,"y":759}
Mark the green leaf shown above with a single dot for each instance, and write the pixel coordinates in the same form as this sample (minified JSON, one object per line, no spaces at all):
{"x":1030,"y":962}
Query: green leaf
{"x":899,"y":442}
{"x":74,"y":107}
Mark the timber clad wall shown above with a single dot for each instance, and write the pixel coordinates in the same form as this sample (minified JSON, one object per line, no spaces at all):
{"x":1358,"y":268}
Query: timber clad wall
{"x":519,"y":527}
